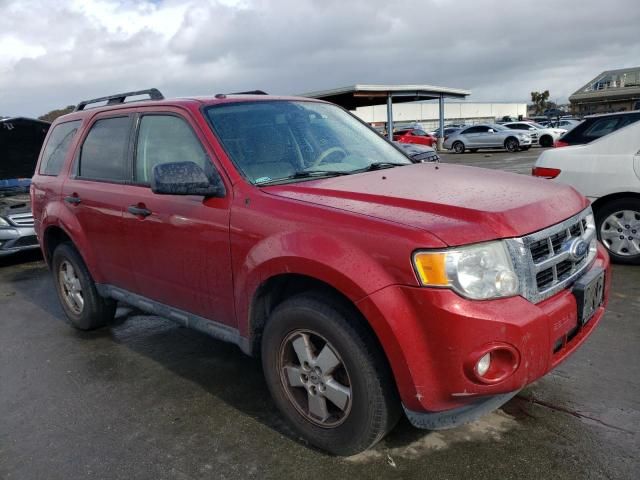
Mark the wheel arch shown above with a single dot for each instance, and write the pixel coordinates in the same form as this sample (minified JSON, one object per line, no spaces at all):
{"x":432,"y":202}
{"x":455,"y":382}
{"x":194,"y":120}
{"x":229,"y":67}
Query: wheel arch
{"x":600,"y":201}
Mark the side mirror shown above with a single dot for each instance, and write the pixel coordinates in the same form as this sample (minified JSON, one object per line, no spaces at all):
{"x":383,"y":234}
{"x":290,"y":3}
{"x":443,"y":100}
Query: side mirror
{"x":186,"y":178}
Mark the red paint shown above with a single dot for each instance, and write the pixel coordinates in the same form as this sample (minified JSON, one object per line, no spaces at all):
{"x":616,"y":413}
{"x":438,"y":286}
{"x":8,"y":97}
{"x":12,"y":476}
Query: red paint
{"x":560,"y":143}
{"x":356,"y":233}
{"x":415,"y":136}
{"x":545,"y":172}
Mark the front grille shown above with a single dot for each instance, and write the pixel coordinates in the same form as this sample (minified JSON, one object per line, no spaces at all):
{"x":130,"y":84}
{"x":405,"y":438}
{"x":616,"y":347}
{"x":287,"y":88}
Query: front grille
{"x":28,"y":241}
{"x":552,"y":257}
{"x":22,"y":219}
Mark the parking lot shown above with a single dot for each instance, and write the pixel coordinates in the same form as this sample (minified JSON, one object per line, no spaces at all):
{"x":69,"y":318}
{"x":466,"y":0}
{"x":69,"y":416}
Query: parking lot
{"x":148,"y":399}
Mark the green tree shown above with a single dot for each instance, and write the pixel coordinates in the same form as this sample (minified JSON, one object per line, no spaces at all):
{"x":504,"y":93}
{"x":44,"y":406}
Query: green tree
{"x":53,"y":114}
{"x":540,"y":101}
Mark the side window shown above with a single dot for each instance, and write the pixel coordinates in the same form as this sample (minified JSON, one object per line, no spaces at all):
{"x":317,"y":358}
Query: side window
{"x":420,"y":133}
{"x":104,"y":152}
{"x":165,"y":139}
{"x":470,"y":130}
{"x":57,"y":147}
{"x":601,"y":127}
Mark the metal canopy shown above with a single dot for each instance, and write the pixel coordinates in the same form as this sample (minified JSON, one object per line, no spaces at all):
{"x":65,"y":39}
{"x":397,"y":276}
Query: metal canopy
{"x":355,"y":96}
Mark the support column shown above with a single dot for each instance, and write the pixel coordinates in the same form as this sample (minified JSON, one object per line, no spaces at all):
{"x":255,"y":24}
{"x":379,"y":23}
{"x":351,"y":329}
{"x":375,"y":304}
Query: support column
{"x":389,"y":117}
{"x":441,"y":124}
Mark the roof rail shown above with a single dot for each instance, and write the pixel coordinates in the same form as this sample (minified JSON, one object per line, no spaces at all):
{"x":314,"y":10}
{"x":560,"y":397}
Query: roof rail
{"x":154,"y":94}
{"x":250,"y":92}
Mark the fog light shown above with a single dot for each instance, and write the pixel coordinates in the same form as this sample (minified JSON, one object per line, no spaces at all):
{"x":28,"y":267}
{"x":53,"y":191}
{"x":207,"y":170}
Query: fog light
{"x":482,"y":367}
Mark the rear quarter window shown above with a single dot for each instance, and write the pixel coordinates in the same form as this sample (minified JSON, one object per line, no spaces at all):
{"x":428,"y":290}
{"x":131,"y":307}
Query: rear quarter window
{"x":57,"y":147}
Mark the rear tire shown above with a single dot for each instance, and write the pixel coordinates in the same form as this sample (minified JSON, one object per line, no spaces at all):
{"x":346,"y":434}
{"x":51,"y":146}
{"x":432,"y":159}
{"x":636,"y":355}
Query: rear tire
{"x":511,"y":144}
{"x":620,"y":218}
{"x":458,"y":147}
{"x":83,"y":306}
{"x":327,"y":374}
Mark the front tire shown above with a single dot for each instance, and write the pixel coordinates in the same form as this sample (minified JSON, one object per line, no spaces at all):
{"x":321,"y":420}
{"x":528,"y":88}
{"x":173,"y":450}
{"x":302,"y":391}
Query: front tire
{"x":546,"y":141}
{"x":327,"y":375}
{"x":618,"y":227}
{"x":511,"y":144}
{"x":83,"y":306}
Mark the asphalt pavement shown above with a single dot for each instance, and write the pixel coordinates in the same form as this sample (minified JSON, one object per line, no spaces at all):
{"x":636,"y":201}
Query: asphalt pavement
{"x":146,"y":399}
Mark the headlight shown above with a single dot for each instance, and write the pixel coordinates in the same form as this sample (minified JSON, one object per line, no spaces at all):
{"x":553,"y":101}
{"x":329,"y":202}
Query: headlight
{"x":3,"y":222}
{"x":478,"y":272}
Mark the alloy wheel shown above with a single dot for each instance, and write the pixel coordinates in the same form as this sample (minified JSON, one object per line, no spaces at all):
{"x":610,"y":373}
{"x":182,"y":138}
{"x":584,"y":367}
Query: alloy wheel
{"x":71,"y":287}
{"x":315,"y":378}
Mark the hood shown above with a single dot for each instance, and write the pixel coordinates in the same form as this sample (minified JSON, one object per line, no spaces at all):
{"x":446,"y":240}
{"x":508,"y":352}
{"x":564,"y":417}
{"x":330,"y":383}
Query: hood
{"x":458,"y":204}
{"x":20,"y":143}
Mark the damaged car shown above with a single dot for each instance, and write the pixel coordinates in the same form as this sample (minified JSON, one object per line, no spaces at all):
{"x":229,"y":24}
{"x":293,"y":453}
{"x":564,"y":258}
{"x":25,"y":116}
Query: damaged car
{"x":20,"y":143}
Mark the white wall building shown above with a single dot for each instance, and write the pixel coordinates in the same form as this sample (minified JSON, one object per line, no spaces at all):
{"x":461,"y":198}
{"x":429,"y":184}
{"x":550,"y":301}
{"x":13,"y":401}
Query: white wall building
{"x":427,"y":112}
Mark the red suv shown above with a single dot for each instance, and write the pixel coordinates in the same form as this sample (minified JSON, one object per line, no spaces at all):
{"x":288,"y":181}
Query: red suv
{"x":414,"y":135}
{"x":368,"y":285}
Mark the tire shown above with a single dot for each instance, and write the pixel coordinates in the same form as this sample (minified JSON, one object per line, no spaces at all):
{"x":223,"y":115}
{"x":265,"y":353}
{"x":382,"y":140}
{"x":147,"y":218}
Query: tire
{"x":511,"y":144}
{"x":357,"y":420}
{"x":458,"y":147}
{"x":545,"y":141}
{"x":612,"y":219}
{"x":83,"y":306}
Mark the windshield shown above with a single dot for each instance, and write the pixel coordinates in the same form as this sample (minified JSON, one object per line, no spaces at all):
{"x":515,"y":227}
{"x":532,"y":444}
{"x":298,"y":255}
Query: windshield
{"x":272,"y":140}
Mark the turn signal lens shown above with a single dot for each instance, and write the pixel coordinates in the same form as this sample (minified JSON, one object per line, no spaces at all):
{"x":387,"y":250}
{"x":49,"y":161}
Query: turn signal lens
{"x":431,"y":268}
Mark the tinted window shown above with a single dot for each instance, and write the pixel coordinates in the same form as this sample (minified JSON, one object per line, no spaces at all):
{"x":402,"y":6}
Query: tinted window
{"x":57,"y":147}
{"x":104,"y":152}
{"x":165,"y":139}
{"x":601,"y":127}
{"x":518,"y":126}
{"x":420,"y":133}
{"x":476,"y":130}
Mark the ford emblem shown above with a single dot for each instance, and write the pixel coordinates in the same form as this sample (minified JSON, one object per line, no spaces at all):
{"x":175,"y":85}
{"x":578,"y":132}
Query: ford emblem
{"x":578,"y":249}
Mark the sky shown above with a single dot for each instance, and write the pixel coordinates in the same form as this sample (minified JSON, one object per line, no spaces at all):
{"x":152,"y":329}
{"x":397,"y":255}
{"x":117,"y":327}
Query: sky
{"x":56,"y":53}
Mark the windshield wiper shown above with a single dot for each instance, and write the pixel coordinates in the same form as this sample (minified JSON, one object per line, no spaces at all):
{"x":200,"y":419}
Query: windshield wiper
{"x":303,"y":174}
{"x":381,"y":166}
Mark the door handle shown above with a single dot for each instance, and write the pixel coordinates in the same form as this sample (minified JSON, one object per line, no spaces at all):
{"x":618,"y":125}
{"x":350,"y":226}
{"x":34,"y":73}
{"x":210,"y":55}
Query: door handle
{"x":139,"y":211}
{"x":73,"y":199}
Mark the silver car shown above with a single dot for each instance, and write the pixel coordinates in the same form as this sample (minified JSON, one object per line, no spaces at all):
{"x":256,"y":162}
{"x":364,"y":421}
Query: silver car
{"x":487,"y":135}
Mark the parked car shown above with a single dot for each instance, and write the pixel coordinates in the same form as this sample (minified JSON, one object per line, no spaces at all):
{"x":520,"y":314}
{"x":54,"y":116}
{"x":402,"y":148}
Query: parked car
{"x":607,"y":171}
{"x":596,"y":126}
{"x":20,"y":143}
{"x":367,"y":284}
{"x":542,"y":136}
{"x":414,"y":135}
{"x":418,"y":153}
{"x":447,"y":131}
{"x":565,"y":123}
{"x":487,"y":135}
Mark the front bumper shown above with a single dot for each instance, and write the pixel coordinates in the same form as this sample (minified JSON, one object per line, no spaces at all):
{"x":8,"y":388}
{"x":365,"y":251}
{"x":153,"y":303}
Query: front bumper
{"x":429,"y":336}
{"x":17,"y":239}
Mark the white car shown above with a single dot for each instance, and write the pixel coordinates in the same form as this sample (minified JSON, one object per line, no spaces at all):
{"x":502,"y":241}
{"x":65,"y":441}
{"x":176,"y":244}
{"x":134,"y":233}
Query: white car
{"x":566,"y":123}
{"x":542,"y":136}
{"x":607,"y":171}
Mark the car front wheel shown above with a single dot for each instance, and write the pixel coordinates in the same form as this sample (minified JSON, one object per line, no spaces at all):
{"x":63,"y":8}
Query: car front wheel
{"x":458,"y":147}
{"x":618,"y":226}
{"x":327,"y":375}
{"x":511,"y":145}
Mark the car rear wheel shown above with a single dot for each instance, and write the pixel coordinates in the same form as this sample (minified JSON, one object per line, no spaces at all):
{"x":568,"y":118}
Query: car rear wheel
{"x":458,"y":147}
{"x":546,"y":141}
{"x":327,"y":375}
{"x":512,"y":145}
{"x":618,"y":226}
{"x":83,"y":306}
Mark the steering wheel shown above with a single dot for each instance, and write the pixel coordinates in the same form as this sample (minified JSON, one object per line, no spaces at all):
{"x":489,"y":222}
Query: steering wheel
{"x":326,"y":153}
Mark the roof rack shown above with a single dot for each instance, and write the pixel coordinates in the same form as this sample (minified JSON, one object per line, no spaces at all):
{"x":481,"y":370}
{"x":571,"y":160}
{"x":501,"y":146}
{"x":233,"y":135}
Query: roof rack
{"x":250,"y":92}
{"x":154,"y":94}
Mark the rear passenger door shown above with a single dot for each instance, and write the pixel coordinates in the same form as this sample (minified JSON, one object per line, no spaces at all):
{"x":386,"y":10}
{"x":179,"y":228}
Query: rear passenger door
{"x":93,"y":192}
{"x":180,"y":251}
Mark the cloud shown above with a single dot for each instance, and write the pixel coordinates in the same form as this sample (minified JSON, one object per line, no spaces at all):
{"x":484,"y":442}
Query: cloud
{"x":74,"y":49}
